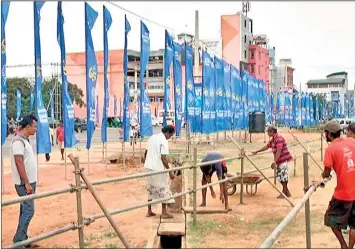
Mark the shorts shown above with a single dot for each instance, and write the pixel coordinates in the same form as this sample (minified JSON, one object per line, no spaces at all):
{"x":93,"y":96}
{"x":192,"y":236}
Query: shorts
{"x":282,"y":172}
{"x":61,"y":145}
{"x":340,"y":214}
{"x":208,"y":170}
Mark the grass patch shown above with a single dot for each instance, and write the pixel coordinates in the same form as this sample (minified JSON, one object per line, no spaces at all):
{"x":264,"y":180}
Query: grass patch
{"x":201,"y":230}
{"x":260,"y":223}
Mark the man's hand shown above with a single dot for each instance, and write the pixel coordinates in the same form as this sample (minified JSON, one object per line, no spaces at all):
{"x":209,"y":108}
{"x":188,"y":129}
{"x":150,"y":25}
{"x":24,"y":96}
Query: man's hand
{"x":273,"y":165}
{"x":29,"y":189}
{"x":172,"y":176}
{"x":254,"y":152}
{"x":221,"y":197}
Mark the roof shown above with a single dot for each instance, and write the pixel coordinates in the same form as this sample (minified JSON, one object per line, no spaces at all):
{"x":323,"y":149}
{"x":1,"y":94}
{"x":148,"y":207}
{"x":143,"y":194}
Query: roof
{"x":326,"y":81}
{"x":337,"y":73}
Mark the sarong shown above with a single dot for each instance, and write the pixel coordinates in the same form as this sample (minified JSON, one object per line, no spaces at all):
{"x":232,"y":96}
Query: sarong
{"x":158,"y":187}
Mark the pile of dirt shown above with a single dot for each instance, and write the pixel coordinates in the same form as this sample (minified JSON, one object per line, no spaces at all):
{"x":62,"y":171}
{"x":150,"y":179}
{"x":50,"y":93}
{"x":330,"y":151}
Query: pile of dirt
{"x":130,"y":161}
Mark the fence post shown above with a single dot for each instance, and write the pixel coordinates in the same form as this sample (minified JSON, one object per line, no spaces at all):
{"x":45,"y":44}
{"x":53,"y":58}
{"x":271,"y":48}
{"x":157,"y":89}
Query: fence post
{"x":321,"y":146}
{"x":242,"y":175}
{"x":194,"y":186}
{"x":79,"y":203}
{"x":294,"y":166}
{"x":307,"y":205}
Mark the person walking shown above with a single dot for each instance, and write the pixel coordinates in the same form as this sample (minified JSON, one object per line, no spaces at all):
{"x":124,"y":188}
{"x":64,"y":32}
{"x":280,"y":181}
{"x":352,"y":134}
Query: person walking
{"x":24,"y":173}
{"x":282,"y":157}
{"x":60,"y":138}
{"x":207,"y":172}
{"x":155,"y":159}
{"x":340,"y":157}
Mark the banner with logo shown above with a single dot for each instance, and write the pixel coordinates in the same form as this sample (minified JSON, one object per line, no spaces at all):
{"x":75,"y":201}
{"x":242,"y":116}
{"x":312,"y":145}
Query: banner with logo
{"x":18,"y":104}
{"x":91,"y":72}
{"x":67,"y":104}
{"x":197,"y":124}
{"x":179,"y":111}
{"x":4,"y":13}
{"x":236,"y":97}
{"x":106,"y":27}
{"x":145,"y":115}
{"x":295,"y":109}
{"x":227,"y":96}
{"x":51,"y":101}
{"x":126,"y":118}
{"x":42,"y":136}
{"x":190,"y":97}
{"x":168,"y":59}
{"x":245,"y":100}
{"x":208,"y":103}
{"x":219,"y":100}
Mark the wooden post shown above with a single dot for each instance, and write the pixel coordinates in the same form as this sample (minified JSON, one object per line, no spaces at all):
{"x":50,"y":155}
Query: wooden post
{"x":242,"y":175}
{"x":321,"y":146}
{"x":307,"y":204}
{"x":194,"y":187}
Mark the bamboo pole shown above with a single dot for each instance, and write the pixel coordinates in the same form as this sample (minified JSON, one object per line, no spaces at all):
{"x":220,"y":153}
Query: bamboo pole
{"x":194,"y":187}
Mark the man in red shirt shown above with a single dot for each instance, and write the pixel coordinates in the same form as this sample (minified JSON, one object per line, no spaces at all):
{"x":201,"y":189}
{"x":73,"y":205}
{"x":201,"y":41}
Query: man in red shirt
{"x":340,"y":157}
{"x":282,"y":157}
{"x":60,"y":138}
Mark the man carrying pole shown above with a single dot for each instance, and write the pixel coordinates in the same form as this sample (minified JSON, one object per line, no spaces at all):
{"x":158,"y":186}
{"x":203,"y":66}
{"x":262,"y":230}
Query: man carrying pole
{"x":340,"y":157}
{"x":282,"y":157}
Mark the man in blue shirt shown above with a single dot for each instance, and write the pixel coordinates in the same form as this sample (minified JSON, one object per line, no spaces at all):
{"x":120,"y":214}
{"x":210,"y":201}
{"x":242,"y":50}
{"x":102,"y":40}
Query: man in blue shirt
{"x":221,"y":170}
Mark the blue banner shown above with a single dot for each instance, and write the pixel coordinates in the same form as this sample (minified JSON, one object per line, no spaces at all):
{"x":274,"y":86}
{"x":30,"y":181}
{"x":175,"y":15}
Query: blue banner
{"x":91,"y":72}
{"x":114,"y":106}
{"x":43,"y":142}
{"x":106,"y":27}
{"x":18,"y":104}
{"x":295,"y":109}
{"x":190,"y":97}
{"x":126,"y":119}
{"x":177,"y":87}
{"x":4,"y":13}
{"x":227,"y":96}
{"x":196,"y":127}
{"x":237,"y":97}
{"x":51,"y":101}
{"x":32,"y":100}
{"x":145,"y":115}
{"x":208,"y":95}
{"x":67,"y":108}
{"x":168,"y":58}
{"x":219,"y":84}
{"x":245,"y":99}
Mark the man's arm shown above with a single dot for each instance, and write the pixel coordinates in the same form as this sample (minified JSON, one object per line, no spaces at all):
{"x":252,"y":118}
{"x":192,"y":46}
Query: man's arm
{"x":164,"y":159}
{"x":277,"y":155}
{"x":262,"y":149}
{"x":145,"y":155}
{"x":326,"y":172}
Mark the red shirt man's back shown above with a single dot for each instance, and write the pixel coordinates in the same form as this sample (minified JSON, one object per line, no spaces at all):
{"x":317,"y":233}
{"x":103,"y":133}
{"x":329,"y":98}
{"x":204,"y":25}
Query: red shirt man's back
{"x":60,"y":134}
{"x":340,"y":156}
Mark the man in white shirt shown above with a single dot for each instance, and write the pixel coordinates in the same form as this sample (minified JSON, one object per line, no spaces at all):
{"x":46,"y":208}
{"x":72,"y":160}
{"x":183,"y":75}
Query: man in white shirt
{"x":24,"y":173}
{"x":156,"y":160}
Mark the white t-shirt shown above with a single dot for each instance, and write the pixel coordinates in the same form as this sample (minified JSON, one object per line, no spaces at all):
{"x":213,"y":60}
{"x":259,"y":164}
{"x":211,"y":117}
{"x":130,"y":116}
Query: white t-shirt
{"x":157,"y":146}
{"x":17,"y":148}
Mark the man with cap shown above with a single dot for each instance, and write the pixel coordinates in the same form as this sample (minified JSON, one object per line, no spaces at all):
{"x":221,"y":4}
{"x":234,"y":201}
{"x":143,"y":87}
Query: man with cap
{"x":282,"y":157}
{"x":340,"y":157}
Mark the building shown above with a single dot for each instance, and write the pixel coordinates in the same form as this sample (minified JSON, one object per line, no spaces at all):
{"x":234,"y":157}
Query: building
{"x":272,"y":68}
{"x":259,"y":60}
{"x":237,"y":35}
{"x":283,"y":76}
{"x":335,"y":87}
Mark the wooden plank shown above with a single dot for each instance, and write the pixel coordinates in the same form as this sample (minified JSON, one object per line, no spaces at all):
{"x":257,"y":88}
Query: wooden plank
{"x":205,"y":210}
{"x":172,"y":229}
{"x":178,"y":218}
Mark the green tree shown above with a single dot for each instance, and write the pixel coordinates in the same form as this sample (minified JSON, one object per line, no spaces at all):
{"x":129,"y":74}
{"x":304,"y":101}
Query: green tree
{"x":26,"y":87}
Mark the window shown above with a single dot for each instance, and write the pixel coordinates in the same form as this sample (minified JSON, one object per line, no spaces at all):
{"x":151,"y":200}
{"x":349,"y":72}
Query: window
{"x":245,"y":54}
{"x":252,"y":68}
{"x":245,"y":23}
{"x":245,"y":39}
{"x":252,"y":54}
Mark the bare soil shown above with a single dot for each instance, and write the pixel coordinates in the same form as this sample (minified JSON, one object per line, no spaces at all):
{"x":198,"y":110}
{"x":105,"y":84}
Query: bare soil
{"x":245,"y":226}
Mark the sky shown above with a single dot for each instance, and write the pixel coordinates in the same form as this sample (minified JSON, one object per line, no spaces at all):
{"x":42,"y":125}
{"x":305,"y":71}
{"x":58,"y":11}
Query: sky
{"x":319,"y":37}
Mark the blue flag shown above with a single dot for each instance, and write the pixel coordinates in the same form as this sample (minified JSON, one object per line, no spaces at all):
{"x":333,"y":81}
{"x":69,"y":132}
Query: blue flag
{"x":177,"y":87}
{"x":18,"y":104}
{"x":51,"y":100}
{"x":43,"y":141}
{"x":145,"y":115}
{"x":227,"y":96}
{"x":32,"y":100}
{"x":219,"y":82}
{"x":126,"y":119}
{"x":4,"y":13}
{"x":106,"y":26}
{"x":189,"y":88}
{"x":168,"y":58}
{"x":67,"y":108}
{"x":246,"y":103}
{"x":115,"y":105}
{"x":91,"y":72}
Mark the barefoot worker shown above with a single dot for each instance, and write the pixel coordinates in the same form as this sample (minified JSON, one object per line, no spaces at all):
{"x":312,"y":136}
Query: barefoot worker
{"x":155,"y":159}
{"x":282,"y":157}
{"x":207,"y":172}
{"x":340,"y":157}
{"x":24,"y":174}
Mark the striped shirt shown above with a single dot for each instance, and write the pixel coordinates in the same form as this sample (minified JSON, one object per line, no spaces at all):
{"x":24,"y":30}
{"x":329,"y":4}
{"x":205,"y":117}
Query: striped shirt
{"x":278,"y":142}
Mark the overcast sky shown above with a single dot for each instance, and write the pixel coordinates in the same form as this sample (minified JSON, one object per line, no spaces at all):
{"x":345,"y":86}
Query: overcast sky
{"x":319,"y":37}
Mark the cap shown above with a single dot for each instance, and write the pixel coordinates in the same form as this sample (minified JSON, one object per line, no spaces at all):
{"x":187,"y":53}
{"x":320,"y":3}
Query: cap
{"x":332,"y":126}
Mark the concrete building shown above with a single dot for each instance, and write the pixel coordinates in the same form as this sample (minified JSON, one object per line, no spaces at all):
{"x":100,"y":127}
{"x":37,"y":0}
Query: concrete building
{"x":259,"y":60}
{"x":335,"y":87}
{"x":283,"y":76}
{"x":237,"y":35}
{"x":272,"y":69}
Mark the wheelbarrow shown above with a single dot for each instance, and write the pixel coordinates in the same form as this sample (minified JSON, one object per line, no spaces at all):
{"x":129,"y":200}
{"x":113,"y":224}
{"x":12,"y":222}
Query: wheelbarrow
{"x":251,"y":182}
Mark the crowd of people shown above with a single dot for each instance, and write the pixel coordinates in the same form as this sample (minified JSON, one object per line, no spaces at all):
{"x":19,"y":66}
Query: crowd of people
{"x":339,"y":157}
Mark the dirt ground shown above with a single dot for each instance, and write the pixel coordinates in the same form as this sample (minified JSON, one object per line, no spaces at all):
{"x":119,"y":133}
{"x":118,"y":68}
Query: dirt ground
{"x":245,"y":226}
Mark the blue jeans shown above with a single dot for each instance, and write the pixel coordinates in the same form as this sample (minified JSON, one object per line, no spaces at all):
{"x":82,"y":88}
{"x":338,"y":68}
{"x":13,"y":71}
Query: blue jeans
{"x":27,"y":210}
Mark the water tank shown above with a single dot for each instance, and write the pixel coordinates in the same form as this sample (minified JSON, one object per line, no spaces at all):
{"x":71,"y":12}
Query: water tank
{"x":256,"y":122}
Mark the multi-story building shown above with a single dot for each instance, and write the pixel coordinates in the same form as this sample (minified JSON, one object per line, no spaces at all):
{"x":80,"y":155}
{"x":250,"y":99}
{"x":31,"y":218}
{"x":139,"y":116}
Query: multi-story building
{"x":283,"y":76}
{"x":237,"y":35}
{"x":335,"y":87}
{"x":259,"y":60}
